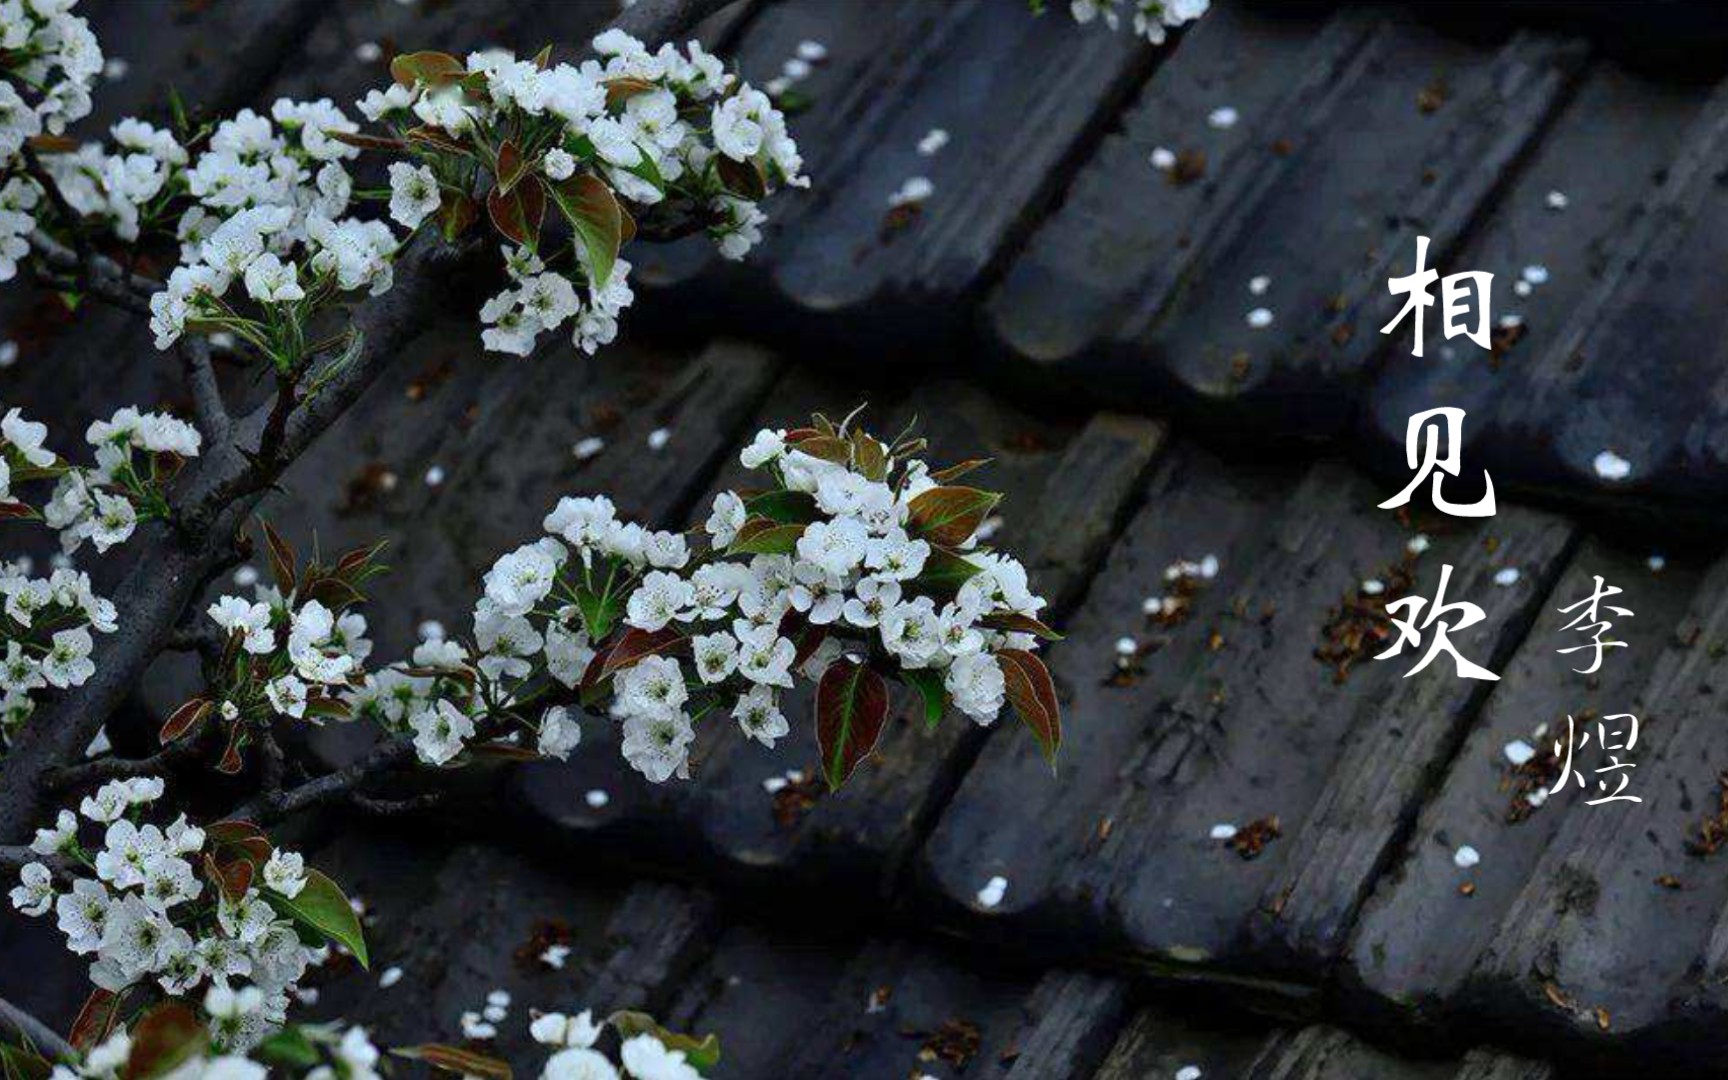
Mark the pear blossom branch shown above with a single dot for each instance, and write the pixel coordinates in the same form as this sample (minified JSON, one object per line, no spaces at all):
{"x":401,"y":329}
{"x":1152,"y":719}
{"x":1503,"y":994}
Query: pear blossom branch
{"x":221,"y":494}
{"x":34,"y":1032}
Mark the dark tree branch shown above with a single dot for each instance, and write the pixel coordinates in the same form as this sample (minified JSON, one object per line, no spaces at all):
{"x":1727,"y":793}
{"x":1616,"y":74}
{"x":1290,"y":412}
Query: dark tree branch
{"x":34,"y":1033}
{"x":213,"y":419}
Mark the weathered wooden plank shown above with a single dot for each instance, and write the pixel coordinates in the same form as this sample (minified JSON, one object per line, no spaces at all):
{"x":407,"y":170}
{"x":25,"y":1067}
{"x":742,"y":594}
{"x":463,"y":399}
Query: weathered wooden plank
{"x":1390,"y":131}
{"x":1160,"y":1042}
{"x":218,"y":56}
{"x":484,"y":921}
{"x":1224,"y":724}
{"x":1429,"y":921}
{"x":1590,"y":388}
{"x":1077,"y":476}
{"x":1608,"y":154}
{"x":1611,"y":947}
{"x":982,"y":71}
{"x":1327,"y":1053}
{"x":1124,"y":226}
{"x":898,"y":1008}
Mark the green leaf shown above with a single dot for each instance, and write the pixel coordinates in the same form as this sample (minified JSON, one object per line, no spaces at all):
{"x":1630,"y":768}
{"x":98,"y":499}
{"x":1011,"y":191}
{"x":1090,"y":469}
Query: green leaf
{"x":599,"y":612}
{"x":1033,"y":695}
{"x":950,"y":515}
{"x":289,"y":1048}
{"x":851,"y":705}
{"x":457,"y":1060}
{"x":785,"y":505}
{"x":766,"y":538}
{"x":946,"y":570}
{"x":594,"y":213}
{"x":22,"y":1063}
{"x":928,"y":683}
{"x":700,"y":1054}
{"x":322,"y":907}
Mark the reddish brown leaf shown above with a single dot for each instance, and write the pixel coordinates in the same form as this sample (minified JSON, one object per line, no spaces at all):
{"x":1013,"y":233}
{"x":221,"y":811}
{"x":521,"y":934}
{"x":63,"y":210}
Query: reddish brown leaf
{"x":282,"y":559}
{"x":631,"y":647}
{"x":1014,"y":622}
{"x":165,"y":1038}
{"x":431,"y":68}
{"x":232,"y":877}
{"x":53,"y":144}
{"x":519,"y":213}
{"x":950,"y":515}
{"x":184,"y":719}
{"x":851,"y":705}
{"x":368,"y":142}
{"x":457,"y":1060}
{"x":95,"y":1020}
{"x":511,"y":165}
{"x":9,"y":509}
{"x":457,"y":213}
{"x":742,"y":178}
{"x":231,"y":761}
{"x":622,"y":89}
{"x":958,"y":469}
{"x":1033,"y":695}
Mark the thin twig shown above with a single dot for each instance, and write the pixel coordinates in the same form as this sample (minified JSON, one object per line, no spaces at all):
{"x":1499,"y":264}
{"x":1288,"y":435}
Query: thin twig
{"x":74,"y":220}
{"x":394,"y":807}
{"x":119,"y":768}
{"x":34,"y":1033}
{"x":380,"y":760}
{"x":101,"y":277}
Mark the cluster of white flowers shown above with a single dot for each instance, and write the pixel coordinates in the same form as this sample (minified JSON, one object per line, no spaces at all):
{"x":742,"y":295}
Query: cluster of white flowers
{"x":350,"y":1055}
{"x":300,"y":652}
{"x":269,"y":209}
{"x":102,"y":504}
{"x":46,"y":627}
{"x":45,"y":631}
{"x":52,"y":54}
{"x":632,"y":119}
{"x":538,"y":301}
{"x":642,"y":1055}
{"x":1152,"y":19}
{"x":146,"y":914}
{"x":18,"y":197}
{"x":726,"y":629}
